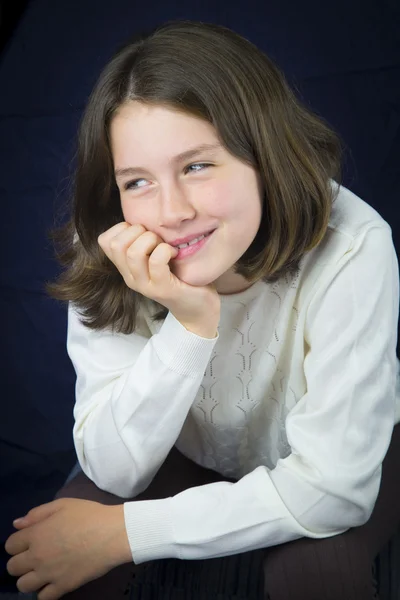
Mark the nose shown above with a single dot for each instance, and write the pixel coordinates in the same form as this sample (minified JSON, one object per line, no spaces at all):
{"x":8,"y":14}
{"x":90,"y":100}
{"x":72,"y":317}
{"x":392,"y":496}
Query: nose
{"x":174,"y":207}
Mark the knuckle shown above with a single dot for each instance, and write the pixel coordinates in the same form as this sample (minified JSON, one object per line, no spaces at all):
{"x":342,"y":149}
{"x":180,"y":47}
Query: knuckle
{"x":130,"y":282}
{"x":115,"y":245}
{"x":131,"y":251}
{"x":154,"y":261}
{"x":161,"y":252}
{"x":136,"y":230}
{"x":155,"y":258}
{"x":151,"y":236}
{"x":146,"y":240}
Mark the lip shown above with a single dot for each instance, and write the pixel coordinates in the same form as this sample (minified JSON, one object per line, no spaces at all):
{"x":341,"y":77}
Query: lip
{"x":189,"y":238}
{"x":188,"y":251}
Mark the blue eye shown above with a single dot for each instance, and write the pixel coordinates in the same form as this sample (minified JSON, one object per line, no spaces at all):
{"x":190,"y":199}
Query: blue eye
{"x":132,"y":185}
{"x":198,"y":165}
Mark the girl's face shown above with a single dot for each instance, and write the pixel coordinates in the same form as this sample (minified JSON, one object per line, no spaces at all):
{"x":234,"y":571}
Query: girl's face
{"x":177,"y":197}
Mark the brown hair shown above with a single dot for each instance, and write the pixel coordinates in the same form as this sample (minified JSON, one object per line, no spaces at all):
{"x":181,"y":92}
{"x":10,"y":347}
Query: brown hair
{"x":211,"y":72}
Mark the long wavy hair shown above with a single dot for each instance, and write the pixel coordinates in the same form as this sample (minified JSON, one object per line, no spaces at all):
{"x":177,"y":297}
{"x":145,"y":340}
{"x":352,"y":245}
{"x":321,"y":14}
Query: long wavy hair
{"x":211,"y":72}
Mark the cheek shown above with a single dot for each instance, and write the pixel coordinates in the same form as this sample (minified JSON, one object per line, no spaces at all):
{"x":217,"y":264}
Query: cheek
{"x":220,"y":202}
{"x":134,"y":213}
{"x":128,"y":211}
{"x":237,"y":201}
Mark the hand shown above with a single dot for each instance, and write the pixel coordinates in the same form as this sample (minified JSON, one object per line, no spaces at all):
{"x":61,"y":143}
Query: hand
{"x":62,"y":545}
{"x":142,"y":258}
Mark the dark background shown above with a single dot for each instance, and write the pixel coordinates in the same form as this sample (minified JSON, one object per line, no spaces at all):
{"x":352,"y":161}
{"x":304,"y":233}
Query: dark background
{"x":10,"y":13}
{"x":342,"y":57}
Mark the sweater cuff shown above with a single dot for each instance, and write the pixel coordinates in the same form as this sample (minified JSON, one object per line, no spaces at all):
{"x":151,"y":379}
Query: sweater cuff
{"x":150,"y":531}
{"x":181,"y":350}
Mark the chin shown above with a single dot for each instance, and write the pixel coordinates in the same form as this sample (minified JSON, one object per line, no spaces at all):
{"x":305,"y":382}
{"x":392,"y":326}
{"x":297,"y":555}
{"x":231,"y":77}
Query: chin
{"x":195,"y":279}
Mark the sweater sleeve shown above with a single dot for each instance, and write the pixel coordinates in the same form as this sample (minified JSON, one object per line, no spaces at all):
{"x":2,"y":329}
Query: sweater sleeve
{"x":339,"y":431}
{"x":132,"y":398}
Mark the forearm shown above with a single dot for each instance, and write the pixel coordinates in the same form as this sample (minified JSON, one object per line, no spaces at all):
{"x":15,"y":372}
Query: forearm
{"x":122,"y":455}
{"x":131,"y":422}
{"x":177,"y":474}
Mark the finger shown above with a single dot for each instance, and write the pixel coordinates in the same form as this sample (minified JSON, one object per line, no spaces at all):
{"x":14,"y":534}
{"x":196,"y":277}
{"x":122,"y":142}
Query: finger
{"x":121,"y":239}
{"x":137,"y":256}
{"x":50,"y":592}
{"x":119,"y":244}
{"x":30,"y":582}
{"x":105,"y":237}
{"x":119,"y":247}
{"x":159,"y":270}
{"x":20,"y":564}
{"x":17,"y":542}
{"x":41,"y":512}
{"x":20,"y":523}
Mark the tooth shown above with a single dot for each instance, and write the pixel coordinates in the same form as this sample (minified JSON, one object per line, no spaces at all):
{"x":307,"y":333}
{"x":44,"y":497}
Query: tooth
{"x":192,"y":242}
{"x":196,"y":240}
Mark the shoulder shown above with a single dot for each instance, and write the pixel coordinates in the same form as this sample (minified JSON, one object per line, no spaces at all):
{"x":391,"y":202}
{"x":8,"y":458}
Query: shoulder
{"x":351,"y":215}
{"x":351,"y":222}
{"x":356,"y":232}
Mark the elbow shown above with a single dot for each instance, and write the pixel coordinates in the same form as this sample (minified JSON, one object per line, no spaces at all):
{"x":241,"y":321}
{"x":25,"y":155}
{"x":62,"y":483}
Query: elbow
{"x":327,"y":502}
{"x":357,"y":501}
{"x":353,"y":515}
{"x":333,"y":520}
{"x":126,"y":481}
{"x":334,"y":514}
{"x":123,"y":483}
{"x":111,"y":467}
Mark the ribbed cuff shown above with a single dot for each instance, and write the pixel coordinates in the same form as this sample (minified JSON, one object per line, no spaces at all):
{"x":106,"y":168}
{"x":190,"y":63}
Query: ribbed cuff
{"x":181,"y":350}
{"x":150,"y":531}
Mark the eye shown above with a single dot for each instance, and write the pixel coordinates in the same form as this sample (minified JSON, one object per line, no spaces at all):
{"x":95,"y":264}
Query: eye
{"x":204,"y":165}
{"x":131,"y":185}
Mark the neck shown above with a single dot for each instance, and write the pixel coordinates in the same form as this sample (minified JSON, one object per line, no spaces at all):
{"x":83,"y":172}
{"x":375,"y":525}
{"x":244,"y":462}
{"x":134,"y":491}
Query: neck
{"x":231,"y":283}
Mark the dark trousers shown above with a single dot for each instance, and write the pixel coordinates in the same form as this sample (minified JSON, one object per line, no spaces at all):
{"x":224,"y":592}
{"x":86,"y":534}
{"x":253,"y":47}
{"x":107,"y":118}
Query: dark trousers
{"x":335,"y":568}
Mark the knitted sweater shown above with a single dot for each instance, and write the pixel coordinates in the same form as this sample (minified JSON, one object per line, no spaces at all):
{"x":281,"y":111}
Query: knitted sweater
{"x":296,"y":399}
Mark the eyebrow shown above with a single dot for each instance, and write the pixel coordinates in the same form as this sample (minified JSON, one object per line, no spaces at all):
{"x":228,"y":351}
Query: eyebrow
{"x":186,"y":155}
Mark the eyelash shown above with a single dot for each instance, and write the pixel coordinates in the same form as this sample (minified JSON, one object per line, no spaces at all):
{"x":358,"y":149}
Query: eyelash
{"x":130,"y":184}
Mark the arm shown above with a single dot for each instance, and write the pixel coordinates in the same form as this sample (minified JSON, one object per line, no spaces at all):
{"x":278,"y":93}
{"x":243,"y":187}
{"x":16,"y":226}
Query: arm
{"x":132,"y":397}
{"x":339,"y":431}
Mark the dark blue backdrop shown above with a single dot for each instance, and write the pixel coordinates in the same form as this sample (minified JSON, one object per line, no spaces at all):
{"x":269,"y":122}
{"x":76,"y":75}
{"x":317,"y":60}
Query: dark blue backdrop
{"x":345,"y":62}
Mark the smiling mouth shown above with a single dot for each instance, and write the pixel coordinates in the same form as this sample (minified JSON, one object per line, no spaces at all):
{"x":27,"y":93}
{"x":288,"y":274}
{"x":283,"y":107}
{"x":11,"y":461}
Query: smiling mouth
{"x":194,"y":241}
{"x":190,"y":248}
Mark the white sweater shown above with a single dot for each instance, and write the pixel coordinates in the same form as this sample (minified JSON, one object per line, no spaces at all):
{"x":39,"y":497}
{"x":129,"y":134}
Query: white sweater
{"x":296,"y":399}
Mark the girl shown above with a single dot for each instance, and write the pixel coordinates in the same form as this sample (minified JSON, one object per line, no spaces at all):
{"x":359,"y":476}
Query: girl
{"x":230,"y":299}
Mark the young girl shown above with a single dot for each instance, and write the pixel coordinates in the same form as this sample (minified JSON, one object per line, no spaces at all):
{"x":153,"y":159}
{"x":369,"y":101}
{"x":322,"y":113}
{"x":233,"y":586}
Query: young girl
{"x":229,"y":298}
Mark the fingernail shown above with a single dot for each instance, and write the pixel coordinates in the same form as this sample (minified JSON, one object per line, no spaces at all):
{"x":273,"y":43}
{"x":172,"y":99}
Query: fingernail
{"x":19,"y":520}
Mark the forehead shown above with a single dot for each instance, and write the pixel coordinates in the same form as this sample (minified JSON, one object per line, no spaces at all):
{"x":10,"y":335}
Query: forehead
{"x":148,"y":138}
{"x":142,"y":120}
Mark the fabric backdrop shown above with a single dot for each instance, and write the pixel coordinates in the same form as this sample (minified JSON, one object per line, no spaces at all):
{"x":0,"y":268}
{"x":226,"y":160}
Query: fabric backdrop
{"x":344,"y":63}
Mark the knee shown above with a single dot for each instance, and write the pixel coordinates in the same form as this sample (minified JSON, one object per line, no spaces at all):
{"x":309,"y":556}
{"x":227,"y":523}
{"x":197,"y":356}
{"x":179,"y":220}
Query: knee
{"x":325,"y":569}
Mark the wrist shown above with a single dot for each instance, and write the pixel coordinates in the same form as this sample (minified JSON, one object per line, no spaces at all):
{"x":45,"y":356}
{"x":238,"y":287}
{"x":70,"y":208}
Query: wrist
{"x":204,"y":330}
{"x":203,"y":318}
{"x":119,"y":547}
{"x":204,"y":325}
